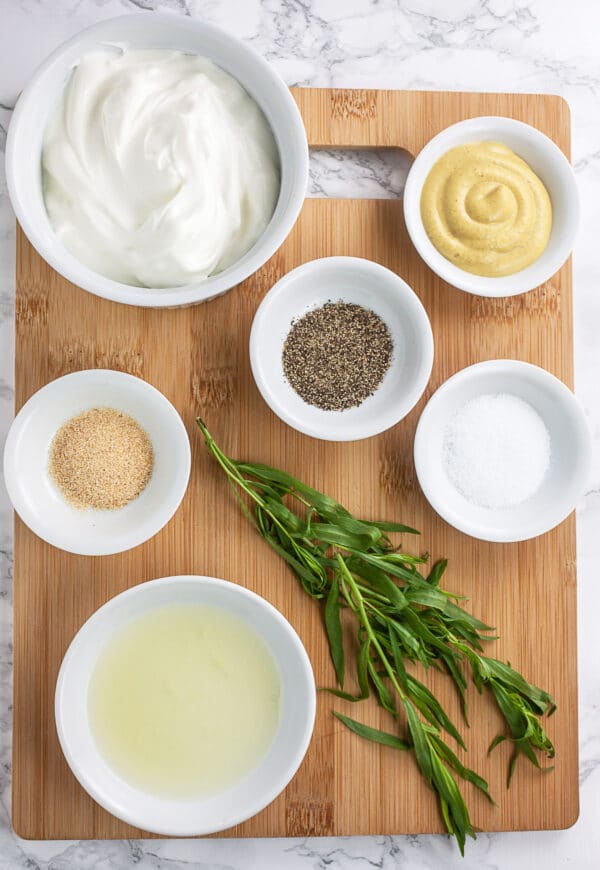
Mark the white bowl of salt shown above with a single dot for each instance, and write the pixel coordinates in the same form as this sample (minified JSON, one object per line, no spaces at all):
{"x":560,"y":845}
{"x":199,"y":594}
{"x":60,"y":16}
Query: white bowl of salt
{"x":503,"y":451}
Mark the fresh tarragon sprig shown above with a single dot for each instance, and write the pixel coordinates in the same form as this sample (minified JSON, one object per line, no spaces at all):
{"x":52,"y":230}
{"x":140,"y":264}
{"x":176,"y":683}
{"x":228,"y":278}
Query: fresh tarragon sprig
{"x":401,"y":615}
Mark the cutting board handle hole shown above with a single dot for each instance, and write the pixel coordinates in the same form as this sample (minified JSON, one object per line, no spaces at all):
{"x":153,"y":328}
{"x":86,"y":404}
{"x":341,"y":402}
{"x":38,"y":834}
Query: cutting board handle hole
{"x":358,"y":173}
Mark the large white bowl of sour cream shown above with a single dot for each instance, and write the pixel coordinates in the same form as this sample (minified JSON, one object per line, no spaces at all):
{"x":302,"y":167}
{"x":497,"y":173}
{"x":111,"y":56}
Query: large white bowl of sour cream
{"x":156,"y":160}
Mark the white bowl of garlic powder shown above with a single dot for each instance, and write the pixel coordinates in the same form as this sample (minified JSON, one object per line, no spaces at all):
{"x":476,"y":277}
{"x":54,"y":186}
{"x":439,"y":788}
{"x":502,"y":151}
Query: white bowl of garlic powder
{"x":33,"y":488}
{"x":156,"y":160}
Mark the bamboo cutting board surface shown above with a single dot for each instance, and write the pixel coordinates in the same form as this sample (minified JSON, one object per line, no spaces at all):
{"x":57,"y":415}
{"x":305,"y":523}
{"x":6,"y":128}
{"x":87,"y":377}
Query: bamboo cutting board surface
{"x":198,"y":357}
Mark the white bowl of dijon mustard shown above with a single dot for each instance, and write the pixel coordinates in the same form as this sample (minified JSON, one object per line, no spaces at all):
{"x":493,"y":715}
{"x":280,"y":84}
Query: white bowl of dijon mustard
{"x":492,"y":207}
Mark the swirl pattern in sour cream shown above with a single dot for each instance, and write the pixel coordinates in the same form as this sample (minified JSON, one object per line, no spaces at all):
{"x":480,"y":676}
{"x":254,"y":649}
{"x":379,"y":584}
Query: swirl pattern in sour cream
{"x":159,"y":170}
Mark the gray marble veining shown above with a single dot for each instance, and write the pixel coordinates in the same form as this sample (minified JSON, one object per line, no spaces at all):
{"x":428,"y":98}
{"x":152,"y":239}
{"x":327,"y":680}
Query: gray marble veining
{"x":512,"y":45}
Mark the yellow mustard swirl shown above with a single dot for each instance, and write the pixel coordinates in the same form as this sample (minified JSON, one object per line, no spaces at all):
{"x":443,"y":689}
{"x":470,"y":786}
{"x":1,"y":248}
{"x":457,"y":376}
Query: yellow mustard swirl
{"x":485,"y":210}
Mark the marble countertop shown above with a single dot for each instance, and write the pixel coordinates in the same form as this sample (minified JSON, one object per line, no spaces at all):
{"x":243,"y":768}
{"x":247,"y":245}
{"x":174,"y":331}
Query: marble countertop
{"x":496,"y":45}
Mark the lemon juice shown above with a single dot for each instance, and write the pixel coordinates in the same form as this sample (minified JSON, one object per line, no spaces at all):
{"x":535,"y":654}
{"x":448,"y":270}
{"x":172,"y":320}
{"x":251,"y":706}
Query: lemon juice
{"x":184,"y":701}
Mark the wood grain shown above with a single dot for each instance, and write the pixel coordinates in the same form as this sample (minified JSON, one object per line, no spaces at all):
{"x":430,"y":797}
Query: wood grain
{"x":198,"y":357}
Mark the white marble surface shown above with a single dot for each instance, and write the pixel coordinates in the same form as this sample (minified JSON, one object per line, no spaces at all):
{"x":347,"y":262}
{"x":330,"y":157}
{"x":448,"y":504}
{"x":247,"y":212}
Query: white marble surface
{"x":505,"y":45}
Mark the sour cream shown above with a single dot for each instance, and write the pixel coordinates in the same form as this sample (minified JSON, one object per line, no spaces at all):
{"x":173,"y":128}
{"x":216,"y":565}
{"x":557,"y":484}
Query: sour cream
{"x":158,"y":168}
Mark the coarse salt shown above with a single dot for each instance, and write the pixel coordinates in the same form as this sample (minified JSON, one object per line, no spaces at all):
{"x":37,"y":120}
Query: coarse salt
{"x":496,"y":450}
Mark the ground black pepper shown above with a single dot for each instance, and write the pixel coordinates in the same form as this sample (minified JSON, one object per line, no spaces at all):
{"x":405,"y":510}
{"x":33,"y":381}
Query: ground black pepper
{"x":337,"y":355}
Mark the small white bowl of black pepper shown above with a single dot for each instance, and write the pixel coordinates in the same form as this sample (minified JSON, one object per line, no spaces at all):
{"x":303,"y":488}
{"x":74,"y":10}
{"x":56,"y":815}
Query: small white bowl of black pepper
{"x":341,"y":348}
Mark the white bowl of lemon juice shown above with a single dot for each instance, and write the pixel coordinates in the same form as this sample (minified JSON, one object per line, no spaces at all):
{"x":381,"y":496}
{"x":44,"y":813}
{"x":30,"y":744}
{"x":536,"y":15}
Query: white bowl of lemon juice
{"x":185,"y":705}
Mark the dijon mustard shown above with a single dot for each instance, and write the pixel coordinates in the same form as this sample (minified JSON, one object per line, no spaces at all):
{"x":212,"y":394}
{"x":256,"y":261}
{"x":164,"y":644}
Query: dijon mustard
{"x":486,"y":210}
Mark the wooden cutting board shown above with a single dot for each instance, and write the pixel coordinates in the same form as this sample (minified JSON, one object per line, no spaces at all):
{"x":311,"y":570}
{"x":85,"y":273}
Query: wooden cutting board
{"x":198,"y":357}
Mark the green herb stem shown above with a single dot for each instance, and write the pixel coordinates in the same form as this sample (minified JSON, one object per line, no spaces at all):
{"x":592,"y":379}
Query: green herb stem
{"x":401,"y":617}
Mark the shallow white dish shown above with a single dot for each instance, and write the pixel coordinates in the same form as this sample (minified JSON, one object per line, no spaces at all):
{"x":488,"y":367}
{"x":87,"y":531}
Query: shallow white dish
{"x":570,"y":445}
{"x":38,"y":501}
{"x":190,"y":817}
{"x":361,"y":282}
{"x":166,"y":31}
{"x":550,"y":165}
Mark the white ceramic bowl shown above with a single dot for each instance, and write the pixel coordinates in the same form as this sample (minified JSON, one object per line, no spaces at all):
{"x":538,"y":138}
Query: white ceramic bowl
{"x":570,"y":445}
{"x":550,"y":165}
{"x":165,"y":31}
{"x":190,"y":817}
{"x":38,"y":501}
{"x":364,"y":283}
